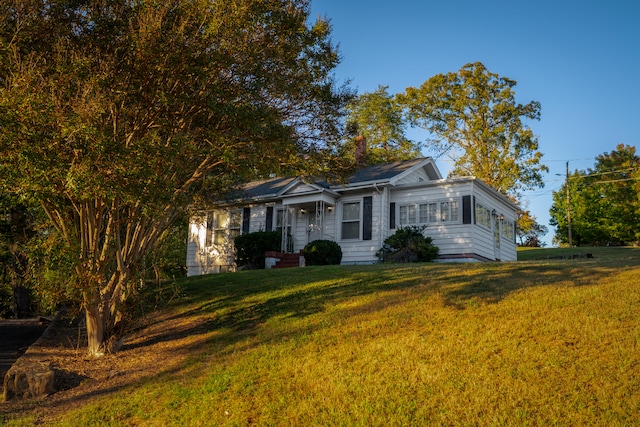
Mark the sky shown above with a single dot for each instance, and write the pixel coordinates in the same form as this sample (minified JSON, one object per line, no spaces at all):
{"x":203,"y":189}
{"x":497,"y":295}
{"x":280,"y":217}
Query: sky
{"x":579,"y":59}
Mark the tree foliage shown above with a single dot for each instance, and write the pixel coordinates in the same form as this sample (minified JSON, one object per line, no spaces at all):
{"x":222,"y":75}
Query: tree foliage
{"x":604,"y":201}
{"x":115,"y":115}
{"x":473,"y":116}
{"x":378,"y":118}
{"x":529,"y":231}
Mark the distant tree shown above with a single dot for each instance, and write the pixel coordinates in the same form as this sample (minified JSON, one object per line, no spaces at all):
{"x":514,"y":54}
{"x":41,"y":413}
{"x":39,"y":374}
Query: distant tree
{"x":529,"y":231}
{"x":116,"y":115}
{"x":377,"y":118}
{"x":473,"y":116}
{"x":605,"y":201}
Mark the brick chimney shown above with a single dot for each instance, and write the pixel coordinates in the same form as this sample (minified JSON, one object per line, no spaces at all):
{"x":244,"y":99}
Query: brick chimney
{"x":361,"y":151}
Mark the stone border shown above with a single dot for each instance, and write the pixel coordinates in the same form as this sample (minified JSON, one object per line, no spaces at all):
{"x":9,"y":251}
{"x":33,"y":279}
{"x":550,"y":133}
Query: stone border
{"x":29,"y":377}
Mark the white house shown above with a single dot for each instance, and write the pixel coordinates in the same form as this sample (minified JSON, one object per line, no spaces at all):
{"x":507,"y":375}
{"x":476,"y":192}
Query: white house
{"x":467,"y":219}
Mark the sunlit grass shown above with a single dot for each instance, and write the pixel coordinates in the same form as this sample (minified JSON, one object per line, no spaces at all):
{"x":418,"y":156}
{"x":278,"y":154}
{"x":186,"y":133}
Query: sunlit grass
{"x":548,"y":342}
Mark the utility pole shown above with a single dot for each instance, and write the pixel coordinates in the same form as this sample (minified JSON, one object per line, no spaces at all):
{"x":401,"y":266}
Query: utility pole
{"x":568,"y":207}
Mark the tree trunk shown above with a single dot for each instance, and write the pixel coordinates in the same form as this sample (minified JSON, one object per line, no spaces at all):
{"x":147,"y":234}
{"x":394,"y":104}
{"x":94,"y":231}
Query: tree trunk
{"x":105,"y":323}
{"x":95,"y":329}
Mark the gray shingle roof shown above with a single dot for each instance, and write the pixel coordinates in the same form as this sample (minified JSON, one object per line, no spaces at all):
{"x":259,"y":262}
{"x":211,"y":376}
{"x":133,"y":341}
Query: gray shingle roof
{"x":383,"y":172}
{"x":267,"y":187}
{"x":273,"y":186}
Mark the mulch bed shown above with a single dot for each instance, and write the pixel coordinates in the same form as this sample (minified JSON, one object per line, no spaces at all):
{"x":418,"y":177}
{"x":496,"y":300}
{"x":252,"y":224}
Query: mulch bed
{"x":80,"y":379}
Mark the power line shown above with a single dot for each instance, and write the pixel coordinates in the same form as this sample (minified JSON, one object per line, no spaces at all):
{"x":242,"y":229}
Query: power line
{"x":570,"y":160}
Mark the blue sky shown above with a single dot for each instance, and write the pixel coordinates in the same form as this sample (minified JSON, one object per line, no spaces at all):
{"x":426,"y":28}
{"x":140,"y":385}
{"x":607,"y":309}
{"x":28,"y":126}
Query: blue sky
{"x":579,"y":59}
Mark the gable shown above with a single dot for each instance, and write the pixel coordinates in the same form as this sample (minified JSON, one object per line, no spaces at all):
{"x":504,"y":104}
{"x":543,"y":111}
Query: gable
{"x":302,"y":188}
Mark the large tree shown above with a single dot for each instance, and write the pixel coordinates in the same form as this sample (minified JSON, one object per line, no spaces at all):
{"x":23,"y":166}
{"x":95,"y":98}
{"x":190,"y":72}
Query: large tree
{"x":473,"y":116}
{"x":376,"y":117}
{"x":604,"y":202}
{"x":116,"y":114}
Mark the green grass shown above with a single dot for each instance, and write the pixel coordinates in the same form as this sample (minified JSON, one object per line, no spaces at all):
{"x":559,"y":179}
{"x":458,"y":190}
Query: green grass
{"x":545,"y":342}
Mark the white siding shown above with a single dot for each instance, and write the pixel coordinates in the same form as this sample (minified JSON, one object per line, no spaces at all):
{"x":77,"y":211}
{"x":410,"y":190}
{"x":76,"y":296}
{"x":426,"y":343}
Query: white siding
{"x":452,"y":238}
{"x":362,"y":251}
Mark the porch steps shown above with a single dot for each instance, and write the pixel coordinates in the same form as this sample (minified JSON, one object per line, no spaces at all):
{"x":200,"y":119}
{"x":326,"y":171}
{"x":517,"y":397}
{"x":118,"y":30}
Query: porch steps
{"x":286,"y":260}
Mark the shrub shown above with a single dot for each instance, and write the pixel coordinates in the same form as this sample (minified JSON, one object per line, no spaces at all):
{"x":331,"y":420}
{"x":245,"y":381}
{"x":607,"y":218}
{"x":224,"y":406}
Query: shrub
{"x":408,"y":244}
{"x":250,"y":248}
{"x":322,"y":252}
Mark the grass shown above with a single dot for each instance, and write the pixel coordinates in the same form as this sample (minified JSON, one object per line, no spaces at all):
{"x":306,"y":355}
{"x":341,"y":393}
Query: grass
{"x":544,"y":342}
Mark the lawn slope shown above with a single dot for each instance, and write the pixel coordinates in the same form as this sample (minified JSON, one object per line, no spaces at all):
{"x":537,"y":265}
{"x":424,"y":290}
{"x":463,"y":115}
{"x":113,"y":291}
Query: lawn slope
{"x":529,"y":343}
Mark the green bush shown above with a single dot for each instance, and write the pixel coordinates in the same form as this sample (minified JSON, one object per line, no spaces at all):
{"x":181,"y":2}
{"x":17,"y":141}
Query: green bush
{"x":408,"y":244}
{"x":322,"y":252}
{"x":250,"y":248}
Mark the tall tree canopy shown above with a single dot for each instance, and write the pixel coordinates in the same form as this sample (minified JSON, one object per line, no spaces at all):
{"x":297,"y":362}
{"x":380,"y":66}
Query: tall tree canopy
{"x":473,"y":115}
{"x":377,"y":118}
{"x":115,"y":114}
{"x":604,"y":201}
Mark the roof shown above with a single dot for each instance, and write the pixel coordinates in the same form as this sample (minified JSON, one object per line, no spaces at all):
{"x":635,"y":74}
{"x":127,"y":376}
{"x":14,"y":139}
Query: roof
{"x":261,"y":189}
{"x":384,"y":171}
{"x":375,"y":174}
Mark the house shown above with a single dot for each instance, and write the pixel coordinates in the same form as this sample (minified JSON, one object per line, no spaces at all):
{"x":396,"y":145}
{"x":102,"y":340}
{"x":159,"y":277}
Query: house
{"x":467,"y":219}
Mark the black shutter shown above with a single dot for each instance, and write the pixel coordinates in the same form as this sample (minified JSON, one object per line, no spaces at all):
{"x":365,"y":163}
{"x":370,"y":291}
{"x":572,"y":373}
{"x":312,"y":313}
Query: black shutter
{"x":269,"y":224}
{"x":367,"y":218}
{"x":209,"y":236}
{"x":392,"y":216}
{"x":473,"y":210}
{"x":246,"y":220}
{"x":466,"y":209}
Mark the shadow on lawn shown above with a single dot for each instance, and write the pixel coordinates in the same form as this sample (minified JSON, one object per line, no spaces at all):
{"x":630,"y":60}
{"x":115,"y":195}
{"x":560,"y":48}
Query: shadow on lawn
{"x":238,"y":304}
{"x":225,"y":313}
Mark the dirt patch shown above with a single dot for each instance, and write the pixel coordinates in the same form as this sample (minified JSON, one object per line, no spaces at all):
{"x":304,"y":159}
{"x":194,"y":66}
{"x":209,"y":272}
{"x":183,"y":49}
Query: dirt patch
{"x":80,"y":379}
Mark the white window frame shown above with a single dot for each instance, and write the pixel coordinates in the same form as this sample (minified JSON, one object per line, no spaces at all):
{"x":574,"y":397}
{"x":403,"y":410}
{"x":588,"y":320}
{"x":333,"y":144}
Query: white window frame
{"x":410,"y":214}
{"x":223,"y":225}
{"x":507,"y":230}
{"x":357,"y":221}
{"x":415,"y":213}
{"x":483,"y":216}
{"x":430,"y":213}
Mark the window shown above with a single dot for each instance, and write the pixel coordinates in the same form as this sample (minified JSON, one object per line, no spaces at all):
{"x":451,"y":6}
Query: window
{"x":428,"y":213}
{"x":220,"y":222}
{"x":449,"y":211}
{"x":507,"y":230}
{"x":408,"y":214}
{"x":223,"y":226}
{"x":351,"y":220}
{"x":483,"y":216}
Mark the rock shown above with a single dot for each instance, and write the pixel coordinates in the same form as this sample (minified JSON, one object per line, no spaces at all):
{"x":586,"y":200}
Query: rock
{"x":28,"y":379}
